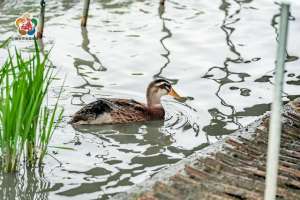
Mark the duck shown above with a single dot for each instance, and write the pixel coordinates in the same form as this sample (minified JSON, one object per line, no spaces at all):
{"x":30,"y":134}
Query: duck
{"x":118,"y":111}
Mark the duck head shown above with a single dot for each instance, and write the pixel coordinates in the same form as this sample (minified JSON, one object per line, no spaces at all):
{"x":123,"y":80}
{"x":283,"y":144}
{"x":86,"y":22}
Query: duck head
{"x":157,"y":89}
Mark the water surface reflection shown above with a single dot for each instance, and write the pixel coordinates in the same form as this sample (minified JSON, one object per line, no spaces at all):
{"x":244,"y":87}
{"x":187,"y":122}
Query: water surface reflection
{"x":219,"y":52}
{"x":30,"y":184}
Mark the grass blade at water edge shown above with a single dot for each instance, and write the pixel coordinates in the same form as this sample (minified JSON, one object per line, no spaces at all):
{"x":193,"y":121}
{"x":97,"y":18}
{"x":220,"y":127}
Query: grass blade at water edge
{"x":26,"y":126}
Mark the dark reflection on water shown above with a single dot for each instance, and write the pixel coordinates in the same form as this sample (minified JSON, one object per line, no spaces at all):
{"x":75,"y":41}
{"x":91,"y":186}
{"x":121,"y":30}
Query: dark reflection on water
{"x":275,"y":25}
{"x":150,"y":131}
{"x":25,"y":185}
{"x":141,"y":134}
{"x":85,"y":47}
{"x":118,"y":136}
{"x":81,"y":65}
{"x":167,"y":31}
{"x":220,"y":120}
{"x":111,"y":158}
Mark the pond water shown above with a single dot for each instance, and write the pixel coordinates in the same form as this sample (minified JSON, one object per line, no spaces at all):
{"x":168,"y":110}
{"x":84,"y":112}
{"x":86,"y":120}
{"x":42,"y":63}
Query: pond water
{"x":219,"y":53}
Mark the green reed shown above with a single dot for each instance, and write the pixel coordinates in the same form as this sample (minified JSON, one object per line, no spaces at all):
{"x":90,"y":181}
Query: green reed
{"x":26,"y":124}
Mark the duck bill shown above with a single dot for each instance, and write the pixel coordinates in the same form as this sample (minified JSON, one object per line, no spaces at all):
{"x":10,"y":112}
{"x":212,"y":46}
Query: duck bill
{"x":173,"y":93}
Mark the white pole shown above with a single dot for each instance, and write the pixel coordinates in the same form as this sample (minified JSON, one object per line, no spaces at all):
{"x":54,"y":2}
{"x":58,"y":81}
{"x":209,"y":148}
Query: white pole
{"x":275,"y":123}
{"x":85,"y":12}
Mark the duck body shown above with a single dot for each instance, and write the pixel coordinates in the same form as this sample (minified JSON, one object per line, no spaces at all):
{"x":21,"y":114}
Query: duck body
{"x":116,"y":111}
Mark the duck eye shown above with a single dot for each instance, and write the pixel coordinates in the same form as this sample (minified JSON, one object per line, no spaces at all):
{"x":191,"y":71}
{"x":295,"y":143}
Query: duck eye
{"x":167,"y":87}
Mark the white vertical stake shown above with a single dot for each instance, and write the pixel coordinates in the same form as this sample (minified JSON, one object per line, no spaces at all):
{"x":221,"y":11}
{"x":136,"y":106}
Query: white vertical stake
{"x":275,"y":123}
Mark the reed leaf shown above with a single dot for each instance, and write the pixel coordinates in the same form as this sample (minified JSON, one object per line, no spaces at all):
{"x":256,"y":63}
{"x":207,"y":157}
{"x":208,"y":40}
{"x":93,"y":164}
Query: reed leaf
{"x":26,"y":124}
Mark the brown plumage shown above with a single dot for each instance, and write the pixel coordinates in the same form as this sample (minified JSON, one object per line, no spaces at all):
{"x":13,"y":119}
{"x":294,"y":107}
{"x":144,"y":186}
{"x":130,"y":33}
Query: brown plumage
{"x":113,"y":111}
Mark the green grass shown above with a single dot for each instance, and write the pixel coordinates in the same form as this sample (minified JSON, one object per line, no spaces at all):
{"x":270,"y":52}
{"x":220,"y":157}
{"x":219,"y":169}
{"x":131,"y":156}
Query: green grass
{"x":26,"y":124}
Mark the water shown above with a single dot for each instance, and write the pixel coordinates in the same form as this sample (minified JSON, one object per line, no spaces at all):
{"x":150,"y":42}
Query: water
{"x":218,"y":53}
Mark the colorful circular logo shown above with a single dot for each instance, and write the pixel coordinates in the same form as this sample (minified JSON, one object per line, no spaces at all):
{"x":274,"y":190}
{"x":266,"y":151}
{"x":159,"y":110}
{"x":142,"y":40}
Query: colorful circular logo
{"x":26,"y":25}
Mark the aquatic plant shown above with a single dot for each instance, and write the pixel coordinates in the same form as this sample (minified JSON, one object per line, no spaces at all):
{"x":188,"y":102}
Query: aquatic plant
{"x":26,"y":123}
{"x":5,"y":43}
